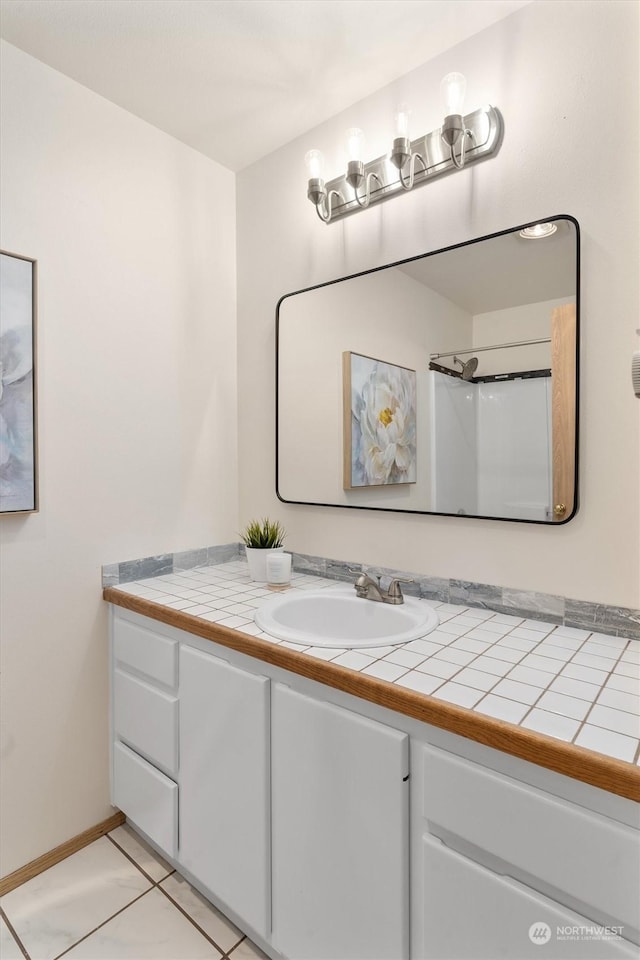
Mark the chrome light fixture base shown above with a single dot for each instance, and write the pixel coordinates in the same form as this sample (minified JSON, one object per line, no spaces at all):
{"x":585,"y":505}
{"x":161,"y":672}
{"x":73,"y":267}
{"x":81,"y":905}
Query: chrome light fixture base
{"x":482,"y":133}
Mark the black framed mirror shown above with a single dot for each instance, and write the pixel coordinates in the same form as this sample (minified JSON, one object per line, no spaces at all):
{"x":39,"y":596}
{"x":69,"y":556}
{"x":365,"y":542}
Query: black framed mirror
{"x":443,"y":384}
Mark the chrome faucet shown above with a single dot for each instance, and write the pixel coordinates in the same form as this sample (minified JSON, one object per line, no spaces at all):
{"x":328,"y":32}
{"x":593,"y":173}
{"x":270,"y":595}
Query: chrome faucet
{"x":369,"y":589}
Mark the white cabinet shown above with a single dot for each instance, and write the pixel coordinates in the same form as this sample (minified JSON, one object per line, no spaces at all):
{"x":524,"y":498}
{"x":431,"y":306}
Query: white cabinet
{"x":340,"y":833}
{"x":294,"y":814}
{"x":224,"y":783}
{"x":497,"y":862}
{"x":474,"y":914}
{"x":144,"y":723}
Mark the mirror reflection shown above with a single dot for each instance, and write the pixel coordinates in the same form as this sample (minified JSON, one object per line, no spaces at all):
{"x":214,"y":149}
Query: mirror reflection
{"x":443,"y":384}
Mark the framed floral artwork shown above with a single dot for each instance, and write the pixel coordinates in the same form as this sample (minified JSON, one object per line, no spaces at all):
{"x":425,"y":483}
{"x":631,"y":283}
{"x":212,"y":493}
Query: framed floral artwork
{"x":379,"y":402}
{"x":18,"y":473}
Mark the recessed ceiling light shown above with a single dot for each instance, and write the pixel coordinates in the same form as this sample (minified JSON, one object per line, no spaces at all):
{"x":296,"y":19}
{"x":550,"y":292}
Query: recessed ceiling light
{"x":538,"y":230}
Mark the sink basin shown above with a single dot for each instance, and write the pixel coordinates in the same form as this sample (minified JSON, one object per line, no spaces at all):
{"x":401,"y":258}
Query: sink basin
{"x":336,"y":617}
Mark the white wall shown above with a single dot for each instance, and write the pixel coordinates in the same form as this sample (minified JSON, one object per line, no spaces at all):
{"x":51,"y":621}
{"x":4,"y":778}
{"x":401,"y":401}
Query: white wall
{"x":552,"y":69}
{"x":134,"y":234}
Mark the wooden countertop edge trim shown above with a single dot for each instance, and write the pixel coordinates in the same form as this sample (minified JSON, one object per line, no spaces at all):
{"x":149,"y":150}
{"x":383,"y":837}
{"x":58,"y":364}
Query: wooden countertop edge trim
{"x":615,"y":776}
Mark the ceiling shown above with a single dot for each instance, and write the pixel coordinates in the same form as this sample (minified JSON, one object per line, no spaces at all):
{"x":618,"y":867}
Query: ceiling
{"x":502,"y":271}
{"x":237,"y":79}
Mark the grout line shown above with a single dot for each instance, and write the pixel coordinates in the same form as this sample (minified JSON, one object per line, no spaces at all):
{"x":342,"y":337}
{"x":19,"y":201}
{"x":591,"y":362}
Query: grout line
{"x":15,"y":936}
{"x":192,"y":921}
{"x":136,"y":864}
{"x":104,"y":922}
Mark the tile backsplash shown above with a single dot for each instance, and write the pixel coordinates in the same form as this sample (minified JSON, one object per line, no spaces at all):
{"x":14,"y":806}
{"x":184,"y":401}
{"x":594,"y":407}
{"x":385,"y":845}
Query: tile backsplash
{"x":615,"y":621}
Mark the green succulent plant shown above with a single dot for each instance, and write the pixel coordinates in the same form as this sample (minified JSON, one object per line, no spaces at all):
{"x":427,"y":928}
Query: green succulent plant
{"x":263,"y":534}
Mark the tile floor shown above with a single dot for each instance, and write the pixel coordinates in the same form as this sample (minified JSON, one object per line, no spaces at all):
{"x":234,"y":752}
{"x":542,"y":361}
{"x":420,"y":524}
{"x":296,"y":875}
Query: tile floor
{"x":575,"y":685}
{"x":116,"y":900}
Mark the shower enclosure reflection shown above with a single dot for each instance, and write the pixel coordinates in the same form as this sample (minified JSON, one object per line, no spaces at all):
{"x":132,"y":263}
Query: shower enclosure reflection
{"x":490,"y":327}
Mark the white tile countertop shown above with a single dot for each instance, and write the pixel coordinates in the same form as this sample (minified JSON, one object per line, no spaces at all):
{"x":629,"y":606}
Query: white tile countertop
{"x":574,"y":685}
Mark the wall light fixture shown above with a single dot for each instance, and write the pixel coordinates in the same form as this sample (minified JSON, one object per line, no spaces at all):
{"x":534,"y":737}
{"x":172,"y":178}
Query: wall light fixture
{"x":461,"y":141}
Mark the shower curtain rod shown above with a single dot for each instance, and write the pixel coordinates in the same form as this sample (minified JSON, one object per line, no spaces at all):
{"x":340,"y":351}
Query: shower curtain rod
{"x":497,"y":346}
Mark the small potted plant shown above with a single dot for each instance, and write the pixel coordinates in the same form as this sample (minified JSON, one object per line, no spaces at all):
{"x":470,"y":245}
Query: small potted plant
{"x":260,"y":537}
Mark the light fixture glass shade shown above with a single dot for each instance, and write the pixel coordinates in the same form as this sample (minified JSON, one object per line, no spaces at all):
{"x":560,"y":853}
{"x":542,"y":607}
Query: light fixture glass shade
{"x":402,"y":120}
{"x":314,"y":162}
{"x":355,"y":143}
{"x":453,"y":88}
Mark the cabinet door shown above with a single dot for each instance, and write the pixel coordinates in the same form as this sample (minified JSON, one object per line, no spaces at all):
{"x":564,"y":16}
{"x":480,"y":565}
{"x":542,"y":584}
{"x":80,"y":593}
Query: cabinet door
{"x":471,"y":913}
{"x":340,"y":804}
{"x":224,"y":783}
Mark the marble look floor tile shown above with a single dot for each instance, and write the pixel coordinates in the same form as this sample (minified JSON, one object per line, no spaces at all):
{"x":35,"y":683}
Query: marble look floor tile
{"x":223,"y":933}
{"x":247,"y":951}
{"x":55,"y":909}
{"x":146,"y":858}
{"x":607,"y":742}
{"x":9,"y":949}
{"x":152,"y":928}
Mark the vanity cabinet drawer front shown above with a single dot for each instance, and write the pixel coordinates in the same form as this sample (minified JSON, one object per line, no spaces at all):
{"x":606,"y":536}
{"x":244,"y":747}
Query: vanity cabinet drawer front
{"x":145,"y":651}
{"x":146,"y":719}
{"x":595,"y":861}
{"x":471,"y":912}
{"x":147,"y":797}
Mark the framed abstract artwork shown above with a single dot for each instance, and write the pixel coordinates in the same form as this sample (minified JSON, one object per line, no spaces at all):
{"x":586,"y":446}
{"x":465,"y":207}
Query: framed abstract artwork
{"x":379,"y":404}
{"x":18,"y":459}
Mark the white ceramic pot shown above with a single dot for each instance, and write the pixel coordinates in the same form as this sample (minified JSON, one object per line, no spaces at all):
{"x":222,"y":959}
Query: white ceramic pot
{"x":257,"y":560}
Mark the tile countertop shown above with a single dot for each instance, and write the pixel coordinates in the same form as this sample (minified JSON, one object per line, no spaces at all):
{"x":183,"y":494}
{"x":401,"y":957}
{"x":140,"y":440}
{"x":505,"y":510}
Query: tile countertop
{"x":531,"y":688}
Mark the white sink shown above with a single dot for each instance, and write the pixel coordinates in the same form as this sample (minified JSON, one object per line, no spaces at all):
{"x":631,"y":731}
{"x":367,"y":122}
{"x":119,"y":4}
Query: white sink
{"x":336,"y":617}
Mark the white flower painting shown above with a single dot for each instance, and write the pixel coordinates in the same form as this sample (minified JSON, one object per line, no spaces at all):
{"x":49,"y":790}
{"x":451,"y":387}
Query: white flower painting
{"x":17,"y":401}
{"x":380,"y":422}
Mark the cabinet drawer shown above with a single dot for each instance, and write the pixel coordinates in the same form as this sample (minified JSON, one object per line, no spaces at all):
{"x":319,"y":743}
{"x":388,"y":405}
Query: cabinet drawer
{"x":145,"y":651}
{"x":146,"y":719}
{"x":572,"y":850}
{"x":470,"y":912}
{"x":149,"y":799}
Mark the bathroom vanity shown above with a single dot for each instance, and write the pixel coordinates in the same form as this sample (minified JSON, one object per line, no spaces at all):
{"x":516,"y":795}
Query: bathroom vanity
{"x":325,"y":817}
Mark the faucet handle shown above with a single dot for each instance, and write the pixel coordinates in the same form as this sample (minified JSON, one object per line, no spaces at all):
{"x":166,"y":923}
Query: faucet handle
{"x":394,"y":587}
